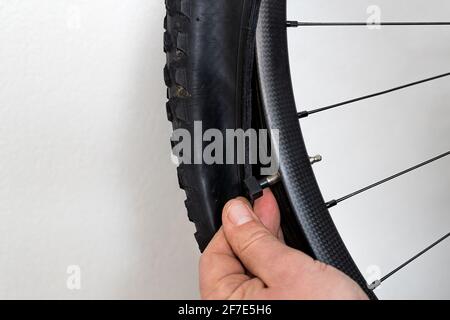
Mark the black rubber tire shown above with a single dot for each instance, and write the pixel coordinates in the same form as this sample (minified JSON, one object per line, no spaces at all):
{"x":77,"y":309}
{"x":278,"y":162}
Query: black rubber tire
{"x":210,"y":74}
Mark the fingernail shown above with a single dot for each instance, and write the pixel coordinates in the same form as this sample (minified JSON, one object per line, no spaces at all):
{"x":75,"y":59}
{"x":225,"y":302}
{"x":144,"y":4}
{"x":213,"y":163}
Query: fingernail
{"x":239,"y":213}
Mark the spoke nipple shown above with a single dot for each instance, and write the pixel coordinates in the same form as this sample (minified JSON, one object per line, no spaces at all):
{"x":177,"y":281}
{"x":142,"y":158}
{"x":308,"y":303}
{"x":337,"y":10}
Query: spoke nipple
{"x":331,"y":204}
{"x":292,"y":24}
{"x":303,"y":114}
{"x":374,"y":285}
{"x":315,"y":159}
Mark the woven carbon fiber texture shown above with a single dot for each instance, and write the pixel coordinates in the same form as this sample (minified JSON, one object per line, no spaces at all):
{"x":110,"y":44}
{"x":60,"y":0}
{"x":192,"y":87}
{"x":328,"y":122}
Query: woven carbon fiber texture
{"x":298,"y":177}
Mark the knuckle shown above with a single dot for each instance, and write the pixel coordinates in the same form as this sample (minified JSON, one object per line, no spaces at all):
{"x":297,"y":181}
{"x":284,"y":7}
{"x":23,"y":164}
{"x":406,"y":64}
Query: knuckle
{"x":253,"y":239}
{"x":320,"y":266}
{"x":225,"y":287}
{"x":238,"y":294}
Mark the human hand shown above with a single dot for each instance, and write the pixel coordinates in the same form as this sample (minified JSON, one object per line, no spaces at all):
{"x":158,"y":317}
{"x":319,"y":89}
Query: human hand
{"x":248,"y":259}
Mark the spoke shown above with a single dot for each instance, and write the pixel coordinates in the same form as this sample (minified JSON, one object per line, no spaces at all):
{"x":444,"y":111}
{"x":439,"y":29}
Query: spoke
{"x":334,"y":203}
{"x":295,"y":24}
{"x":377,"y":283}
{"x":305,"y":114}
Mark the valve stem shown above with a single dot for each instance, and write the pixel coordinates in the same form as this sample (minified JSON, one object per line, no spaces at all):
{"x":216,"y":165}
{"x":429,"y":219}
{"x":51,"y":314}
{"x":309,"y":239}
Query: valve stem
{"x":315,"y":159}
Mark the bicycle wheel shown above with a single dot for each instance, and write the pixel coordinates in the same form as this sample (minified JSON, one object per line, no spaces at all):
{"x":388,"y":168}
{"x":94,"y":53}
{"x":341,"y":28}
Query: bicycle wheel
{"x":228,"y":68}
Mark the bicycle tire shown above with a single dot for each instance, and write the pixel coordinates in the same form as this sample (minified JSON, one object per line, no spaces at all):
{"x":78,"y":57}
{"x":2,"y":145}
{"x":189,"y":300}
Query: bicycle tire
{"x":228,"y":66}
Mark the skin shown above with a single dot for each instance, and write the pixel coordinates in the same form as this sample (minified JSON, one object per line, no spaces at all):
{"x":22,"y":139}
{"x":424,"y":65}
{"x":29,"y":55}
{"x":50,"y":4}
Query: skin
{"x":248,"y":260}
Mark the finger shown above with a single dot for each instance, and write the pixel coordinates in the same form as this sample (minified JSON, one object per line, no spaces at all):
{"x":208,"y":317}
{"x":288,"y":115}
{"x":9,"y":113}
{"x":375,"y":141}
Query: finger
{"x":220,"y":271}
{"x":266,"y":209}
{"x":261,"y":253}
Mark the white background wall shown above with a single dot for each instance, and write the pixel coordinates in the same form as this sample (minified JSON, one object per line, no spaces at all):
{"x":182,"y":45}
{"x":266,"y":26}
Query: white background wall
{"x":371,"y":140}
{"x":85,"y":171}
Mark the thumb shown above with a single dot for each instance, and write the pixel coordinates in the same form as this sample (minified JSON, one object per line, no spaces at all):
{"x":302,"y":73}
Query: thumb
{"x":261,"y":253}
